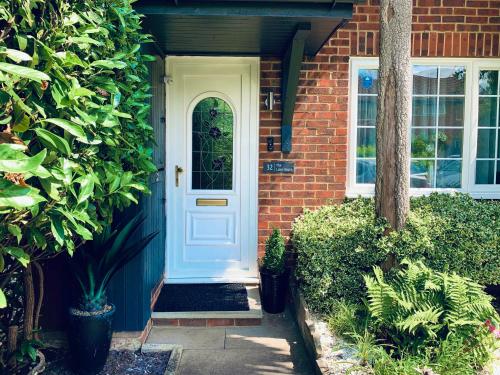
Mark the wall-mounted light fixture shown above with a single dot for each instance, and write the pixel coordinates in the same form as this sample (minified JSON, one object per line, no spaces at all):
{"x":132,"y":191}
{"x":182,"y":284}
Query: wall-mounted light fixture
{"x":270,"y":101}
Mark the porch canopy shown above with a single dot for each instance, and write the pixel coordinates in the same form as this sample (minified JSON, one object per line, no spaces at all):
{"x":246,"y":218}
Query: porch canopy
{"x":238,"y":27}
{"x":287,"y":29}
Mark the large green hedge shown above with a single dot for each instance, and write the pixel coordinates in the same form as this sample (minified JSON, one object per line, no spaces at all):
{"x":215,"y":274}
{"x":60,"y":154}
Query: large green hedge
{"x":336,"y":245}
{"x":75,"y":142}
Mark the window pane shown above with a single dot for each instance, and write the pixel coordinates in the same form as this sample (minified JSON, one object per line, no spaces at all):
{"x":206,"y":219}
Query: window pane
{"x":422,"y":174}
{"x":486,"y":143}
{"x":485,"y":170}
{"x":425,"y":80}
{"x":488,"y":82}
{"x":366,"y":142}
{"x":365,"y":171}
{"x":498,"y":173}
{"x":452,"y":80}
{"x":488,"y":111}
{"x":212,"y":145}
{"x":367,"y":81}
{"x":449,"y":174}
{"x":451,"y":111}
{"x":423,"y":143}
{"x":450,"y":143}
{"x":424,"y":111}
{"x":367,"y":110}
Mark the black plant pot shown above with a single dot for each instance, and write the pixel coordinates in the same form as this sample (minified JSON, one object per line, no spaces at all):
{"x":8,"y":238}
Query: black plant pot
{"x":89,"y":339}
{"x":273,"y":291}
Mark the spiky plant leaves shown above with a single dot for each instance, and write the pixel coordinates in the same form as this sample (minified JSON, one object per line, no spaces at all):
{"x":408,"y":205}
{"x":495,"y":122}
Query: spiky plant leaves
{"x":95,"y":265}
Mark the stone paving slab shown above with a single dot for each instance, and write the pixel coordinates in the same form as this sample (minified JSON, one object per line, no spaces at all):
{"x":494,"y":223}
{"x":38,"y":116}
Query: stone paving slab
{"x":189,"y":338}
{"x":273,"y":348}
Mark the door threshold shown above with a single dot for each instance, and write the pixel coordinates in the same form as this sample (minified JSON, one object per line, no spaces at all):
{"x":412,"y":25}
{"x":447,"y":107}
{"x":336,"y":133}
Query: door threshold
{"x":252,"y":316}
{"x":213,"y":280}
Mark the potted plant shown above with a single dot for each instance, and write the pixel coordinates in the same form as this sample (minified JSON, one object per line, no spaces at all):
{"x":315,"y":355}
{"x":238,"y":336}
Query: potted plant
{"x":273,"y":275}
{"x":90,"y":322}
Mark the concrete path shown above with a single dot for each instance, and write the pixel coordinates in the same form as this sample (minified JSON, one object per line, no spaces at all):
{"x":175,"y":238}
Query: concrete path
{"x":275,"y":347}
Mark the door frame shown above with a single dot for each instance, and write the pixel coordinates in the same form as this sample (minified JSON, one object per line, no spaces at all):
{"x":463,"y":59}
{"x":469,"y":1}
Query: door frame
{"x":252,"y":209}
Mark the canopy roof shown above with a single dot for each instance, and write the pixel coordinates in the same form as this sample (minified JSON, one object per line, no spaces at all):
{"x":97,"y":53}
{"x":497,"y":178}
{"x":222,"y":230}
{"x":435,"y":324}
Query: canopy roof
{"x":240,"y":27}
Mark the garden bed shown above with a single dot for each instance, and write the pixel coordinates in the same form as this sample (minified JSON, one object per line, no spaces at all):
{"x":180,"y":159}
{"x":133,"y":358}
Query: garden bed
{"x":331,"y":354}
{"x":119,"y":362}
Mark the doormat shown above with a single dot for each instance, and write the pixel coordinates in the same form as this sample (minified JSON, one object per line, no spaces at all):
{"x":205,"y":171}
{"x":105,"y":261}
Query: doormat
{"x":202,"y":297}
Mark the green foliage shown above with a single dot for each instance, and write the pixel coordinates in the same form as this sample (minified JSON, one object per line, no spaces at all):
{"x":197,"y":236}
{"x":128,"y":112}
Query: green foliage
{"x":274,"y":258}
{"x":95,"y":265}
{"x":421,"y":321}
{"x":73,"y":122}
{"x":347,"y":318}
{"x":336,"y":245}
{"x":419,"y":309}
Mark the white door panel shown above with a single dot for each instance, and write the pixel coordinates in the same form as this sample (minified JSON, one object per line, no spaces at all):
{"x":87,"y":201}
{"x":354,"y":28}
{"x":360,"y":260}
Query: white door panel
{"x":212,"y":136}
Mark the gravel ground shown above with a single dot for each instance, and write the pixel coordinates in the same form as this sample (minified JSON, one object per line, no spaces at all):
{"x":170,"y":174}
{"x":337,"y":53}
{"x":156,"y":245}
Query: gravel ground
{"x":119,"y":362}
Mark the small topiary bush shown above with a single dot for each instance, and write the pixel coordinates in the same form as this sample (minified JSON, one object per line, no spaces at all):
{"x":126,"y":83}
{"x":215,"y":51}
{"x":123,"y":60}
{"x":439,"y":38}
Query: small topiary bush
{"x":337,"y":244}
{"x":274,"y":258}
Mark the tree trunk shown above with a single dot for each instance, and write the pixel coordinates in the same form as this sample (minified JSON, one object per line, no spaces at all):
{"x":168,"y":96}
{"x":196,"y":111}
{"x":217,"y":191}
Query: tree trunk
{"x":41,"y":292}
{"x":29,"y":303}
{"x":393,"y":113}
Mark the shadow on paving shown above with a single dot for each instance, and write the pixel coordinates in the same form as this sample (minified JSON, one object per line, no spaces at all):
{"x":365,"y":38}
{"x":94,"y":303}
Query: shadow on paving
{"x":275,"y":347}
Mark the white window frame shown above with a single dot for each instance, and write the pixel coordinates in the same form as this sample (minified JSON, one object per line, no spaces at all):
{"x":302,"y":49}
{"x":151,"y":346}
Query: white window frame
{"x":472,"y":68}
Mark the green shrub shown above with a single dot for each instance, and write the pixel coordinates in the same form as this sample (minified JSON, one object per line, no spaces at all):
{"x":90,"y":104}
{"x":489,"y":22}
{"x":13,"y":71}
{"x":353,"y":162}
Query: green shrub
{"x":420,"y":308}
{"x":419,"y":321}
{"x":75,"y":142}
{"x":274,"y":258}
{"x":337,"y":244}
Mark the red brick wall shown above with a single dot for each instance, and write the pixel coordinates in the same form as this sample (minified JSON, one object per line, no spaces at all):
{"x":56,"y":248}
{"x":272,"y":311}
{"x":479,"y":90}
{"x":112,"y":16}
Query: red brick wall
{"x":448,"y":28}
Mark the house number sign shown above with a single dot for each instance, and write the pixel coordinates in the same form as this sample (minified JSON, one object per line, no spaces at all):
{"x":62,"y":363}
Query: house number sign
{"x":279,"y":167}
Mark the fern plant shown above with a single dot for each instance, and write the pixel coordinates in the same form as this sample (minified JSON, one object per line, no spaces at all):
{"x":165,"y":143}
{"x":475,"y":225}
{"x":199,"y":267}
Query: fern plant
{"x":421,"y":308}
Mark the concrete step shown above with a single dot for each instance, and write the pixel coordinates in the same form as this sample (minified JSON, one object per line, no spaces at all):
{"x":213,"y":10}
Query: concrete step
{"x":252,"y":317}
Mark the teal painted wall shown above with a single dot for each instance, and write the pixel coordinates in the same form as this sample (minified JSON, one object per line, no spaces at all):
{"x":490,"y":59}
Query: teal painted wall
{"x":130,"y":289}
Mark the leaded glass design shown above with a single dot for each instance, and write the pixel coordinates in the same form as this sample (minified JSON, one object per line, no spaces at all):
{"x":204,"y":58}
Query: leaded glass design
{"x":488,"y":136}
{"x":213,"y":126}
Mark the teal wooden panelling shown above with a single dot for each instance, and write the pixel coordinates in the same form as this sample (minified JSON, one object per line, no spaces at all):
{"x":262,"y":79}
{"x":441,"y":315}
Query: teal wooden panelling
{"x":130,"y":290}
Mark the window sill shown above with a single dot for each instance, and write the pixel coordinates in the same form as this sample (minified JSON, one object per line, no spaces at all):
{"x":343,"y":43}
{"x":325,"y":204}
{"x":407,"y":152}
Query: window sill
{"x":369,"y":193}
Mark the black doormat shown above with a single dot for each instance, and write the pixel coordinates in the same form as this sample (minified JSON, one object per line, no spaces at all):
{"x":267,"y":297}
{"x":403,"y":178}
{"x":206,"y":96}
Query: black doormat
{"x":202,"y":297}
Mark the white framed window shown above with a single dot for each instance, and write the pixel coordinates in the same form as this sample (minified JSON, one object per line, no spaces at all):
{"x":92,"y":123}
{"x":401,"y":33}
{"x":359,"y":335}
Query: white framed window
{"x":454,"y":129}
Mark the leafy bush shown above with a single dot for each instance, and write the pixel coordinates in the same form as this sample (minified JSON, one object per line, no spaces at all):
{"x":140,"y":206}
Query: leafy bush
{"x":420,"y":308}
{"x":274,"y":258}
{"x":336,"y":245}
{"x":73,"y":123}
{"x":420,"y":319}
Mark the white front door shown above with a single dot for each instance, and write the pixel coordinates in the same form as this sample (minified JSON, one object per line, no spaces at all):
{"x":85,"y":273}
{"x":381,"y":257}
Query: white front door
{"x":212,"y":168}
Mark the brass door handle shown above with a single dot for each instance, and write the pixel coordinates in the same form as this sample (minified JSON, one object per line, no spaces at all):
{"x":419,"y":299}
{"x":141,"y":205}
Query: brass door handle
{"x":178,"y":170}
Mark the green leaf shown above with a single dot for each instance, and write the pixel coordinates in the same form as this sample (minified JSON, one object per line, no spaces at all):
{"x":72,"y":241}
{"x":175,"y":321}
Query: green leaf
{"x":53,"y":141}
{"x":17,"y":56}
{"x":109,"y":64}
{"x":18,"y":254}
{"x":24,"y":72}
{"x":86,"y":188}
{"x":17,"y":196}
{"x":23,"y":164}
{"x":3,"y":300}
{"x":70,"y":127}
{"x":57,"y":229}
{"x":15,"y":230}
{"x":129,"y":196}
